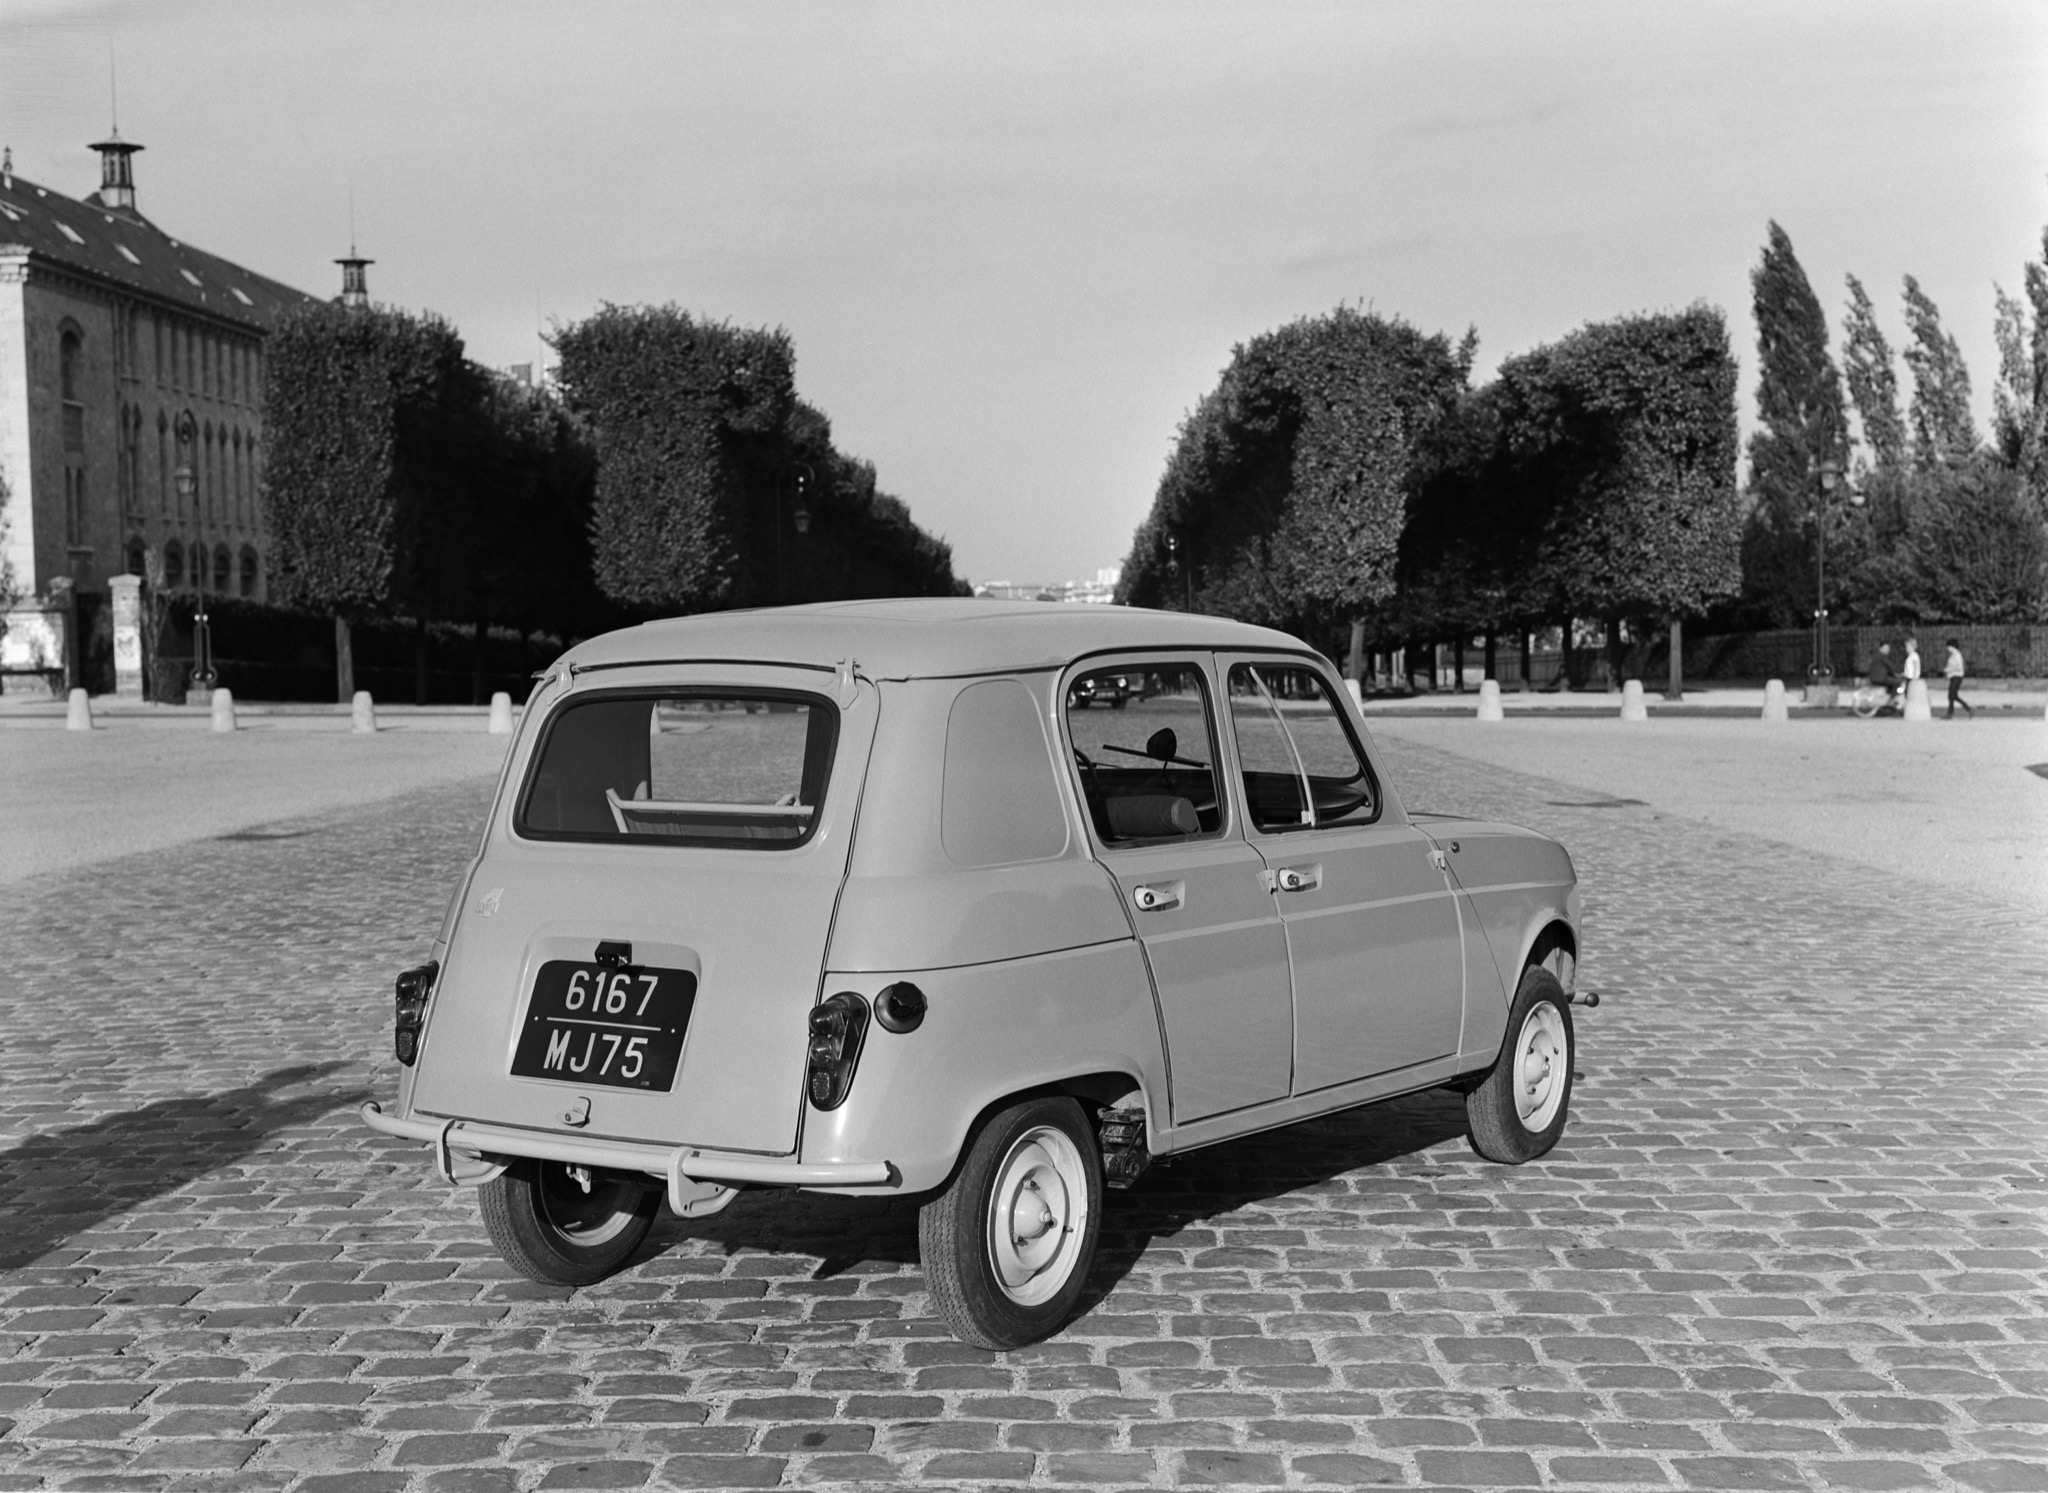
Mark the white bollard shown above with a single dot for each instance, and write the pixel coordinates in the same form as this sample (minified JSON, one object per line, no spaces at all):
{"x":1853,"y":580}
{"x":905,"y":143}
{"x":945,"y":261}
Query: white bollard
{"x":1489,"y":701}
{"x":1916,"y":701}
{"x":501,"y":714}
{"x":1632,"y":706}
{"x":1774,"y":701}
{"x":364,"y":710}
{"x":78,"y":714}
{"x":223,"y":710}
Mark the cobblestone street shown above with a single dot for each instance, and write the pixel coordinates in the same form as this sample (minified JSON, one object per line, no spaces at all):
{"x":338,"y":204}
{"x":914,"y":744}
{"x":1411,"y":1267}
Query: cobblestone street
{"x":1796,"y":1236}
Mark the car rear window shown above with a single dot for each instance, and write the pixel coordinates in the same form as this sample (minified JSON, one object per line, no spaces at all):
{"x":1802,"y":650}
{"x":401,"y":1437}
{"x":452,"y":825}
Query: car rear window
{"x":744,"y":771}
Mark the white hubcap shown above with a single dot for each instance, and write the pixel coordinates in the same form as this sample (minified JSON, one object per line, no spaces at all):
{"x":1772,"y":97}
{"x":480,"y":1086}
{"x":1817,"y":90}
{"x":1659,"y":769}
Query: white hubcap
{"x":1038,"y":1212}
{"x":1542,"y":1066}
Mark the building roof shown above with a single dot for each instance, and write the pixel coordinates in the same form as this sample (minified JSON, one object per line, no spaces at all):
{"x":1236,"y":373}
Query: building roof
{"x":919,"y":638}
{"x":125,"y":247}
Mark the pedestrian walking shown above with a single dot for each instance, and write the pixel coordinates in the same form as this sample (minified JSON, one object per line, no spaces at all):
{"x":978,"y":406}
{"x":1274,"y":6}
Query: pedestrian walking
{"x":1908,"y":671}
{"x":1952,"y":667}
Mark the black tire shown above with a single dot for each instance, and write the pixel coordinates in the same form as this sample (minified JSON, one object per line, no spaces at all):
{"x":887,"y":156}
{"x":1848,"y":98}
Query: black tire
{"x":1037,"y":1154}
{"x":1519,"y":1109}
{"x":552,"y":1227}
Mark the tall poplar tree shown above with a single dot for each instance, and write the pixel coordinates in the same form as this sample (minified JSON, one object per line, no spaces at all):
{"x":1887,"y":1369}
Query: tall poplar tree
{"x":1800,"y":424}
{"x":2020,"y":400}
{"x":1873,"y":381}
{"x":1943,"y":432}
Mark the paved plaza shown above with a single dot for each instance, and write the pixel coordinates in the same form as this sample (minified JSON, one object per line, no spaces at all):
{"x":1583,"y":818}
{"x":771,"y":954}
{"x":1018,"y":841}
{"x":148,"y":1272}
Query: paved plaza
{"x":1795,"y":1238}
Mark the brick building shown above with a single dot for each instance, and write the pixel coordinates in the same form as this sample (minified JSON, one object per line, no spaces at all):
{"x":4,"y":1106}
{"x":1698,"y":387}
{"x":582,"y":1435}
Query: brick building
{"x":131,"y":376}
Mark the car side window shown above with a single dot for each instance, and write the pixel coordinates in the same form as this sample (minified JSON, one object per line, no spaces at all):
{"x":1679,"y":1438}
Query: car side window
{"x":999,"y":802}
{"x":1144,"y":753}
{"x":1302,"y":766}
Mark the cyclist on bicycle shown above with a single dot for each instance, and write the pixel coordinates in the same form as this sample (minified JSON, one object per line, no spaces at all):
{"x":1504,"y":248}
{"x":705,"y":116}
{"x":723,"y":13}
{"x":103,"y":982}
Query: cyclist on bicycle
{"x":1884,"y":675}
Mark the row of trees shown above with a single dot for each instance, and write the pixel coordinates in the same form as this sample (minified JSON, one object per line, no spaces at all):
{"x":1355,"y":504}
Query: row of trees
{"x":1936,"y":523}
{"x":1345,"y":469}
{"x":678,"y":471}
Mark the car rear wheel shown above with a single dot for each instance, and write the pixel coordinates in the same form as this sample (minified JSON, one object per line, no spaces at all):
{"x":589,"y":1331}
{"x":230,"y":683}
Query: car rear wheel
{"x":567,"y":1225}
{"x":1518,"y":1110}
{"x":1008,"y":1245}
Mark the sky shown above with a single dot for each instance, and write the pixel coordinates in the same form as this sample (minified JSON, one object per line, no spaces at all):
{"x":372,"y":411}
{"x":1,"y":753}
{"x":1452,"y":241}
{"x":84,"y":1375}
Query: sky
{"x":1016,"y":243}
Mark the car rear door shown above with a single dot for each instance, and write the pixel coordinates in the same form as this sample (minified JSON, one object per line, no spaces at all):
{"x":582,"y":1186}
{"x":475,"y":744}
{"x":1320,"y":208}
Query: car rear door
{"x":734,"y":930}
{"x":1151,"y":785}
{"x":1372,"y":926}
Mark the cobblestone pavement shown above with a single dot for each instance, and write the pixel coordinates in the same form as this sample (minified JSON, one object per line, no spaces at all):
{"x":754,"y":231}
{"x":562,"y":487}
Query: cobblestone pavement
{"x":1795,"y":1237}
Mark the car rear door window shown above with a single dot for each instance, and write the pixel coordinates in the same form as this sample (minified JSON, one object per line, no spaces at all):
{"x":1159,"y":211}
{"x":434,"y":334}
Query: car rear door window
{"x":1146,"y":768}
{"x":1302,"y":767}
{"x":741,"y":770}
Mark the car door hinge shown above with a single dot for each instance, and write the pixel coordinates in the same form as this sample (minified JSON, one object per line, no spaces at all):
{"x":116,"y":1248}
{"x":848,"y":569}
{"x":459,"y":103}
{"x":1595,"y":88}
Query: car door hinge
{"x":1437,"y":859}
{"x":1270,"y":880}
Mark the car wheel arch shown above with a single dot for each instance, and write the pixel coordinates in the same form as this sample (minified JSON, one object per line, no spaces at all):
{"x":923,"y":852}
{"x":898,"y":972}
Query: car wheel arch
{"x":1095,"y":1090}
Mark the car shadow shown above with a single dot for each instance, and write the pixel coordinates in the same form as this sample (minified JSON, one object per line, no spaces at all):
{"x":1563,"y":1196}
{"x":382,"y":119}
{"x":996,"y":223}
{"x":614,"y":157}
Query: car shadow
{"x":853,"y":1235}
{"x":60,"y":1183}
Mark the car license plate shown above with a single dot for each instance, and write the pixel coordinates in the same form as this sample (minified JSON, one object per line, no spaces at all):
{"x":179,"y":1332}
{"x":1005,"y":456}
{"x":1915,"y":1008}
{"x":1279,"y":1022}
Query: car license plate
{"x":602,"y":1024}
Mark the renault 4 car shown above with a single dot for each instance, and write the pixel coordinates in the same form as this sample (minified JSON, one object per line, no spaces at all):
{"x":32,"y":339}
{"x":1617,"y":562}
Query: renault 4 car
{"x":862,"y":898}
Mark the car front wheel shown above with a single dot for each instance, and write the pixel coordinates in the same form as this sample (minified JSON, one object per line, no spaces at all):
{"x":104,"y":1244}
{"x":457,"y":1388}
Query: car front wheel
{"x":567,"y":1225}
{"x":1518,"y":1110}
{"x":1008,"y":1245}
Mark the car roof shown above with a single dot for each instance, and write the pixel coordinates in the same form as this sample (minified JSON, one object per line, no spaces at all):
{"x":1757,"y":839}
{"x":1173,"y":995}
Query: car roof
{"x":921,"y":637}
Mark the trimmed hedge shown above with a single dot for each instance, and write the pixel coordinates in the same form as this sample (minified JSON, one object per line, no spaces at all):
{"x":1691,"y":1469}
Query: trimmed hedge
{"x":706,"y":457}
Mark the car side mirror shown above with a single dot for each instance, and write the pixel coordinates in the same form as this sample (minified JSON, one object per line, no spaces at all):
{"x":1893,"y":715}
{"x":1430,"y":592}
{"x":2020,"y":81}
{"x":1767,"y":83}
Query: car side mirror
{"x":1163,"y":744}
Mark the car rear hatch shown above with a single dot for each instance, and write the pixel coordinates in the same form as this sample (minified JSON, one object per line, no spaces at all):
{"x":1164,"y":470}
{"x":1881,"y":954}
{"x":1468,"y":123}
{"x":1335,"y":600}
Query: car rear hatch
{"x":644,"y":934}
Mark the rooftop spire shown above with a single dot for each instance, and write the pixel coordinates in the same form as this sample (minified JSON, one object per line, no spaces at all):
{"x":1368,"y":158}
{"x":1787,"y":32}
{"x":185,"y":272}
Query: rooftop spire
{"x":117,"y":173}
{"x":355,"y":288}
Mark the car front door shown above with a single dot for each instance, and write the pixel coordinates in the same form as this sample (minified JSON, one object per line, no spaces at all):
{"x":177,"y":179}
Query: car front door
{"x":1372,"y":927}
{"x":1152,"y":787}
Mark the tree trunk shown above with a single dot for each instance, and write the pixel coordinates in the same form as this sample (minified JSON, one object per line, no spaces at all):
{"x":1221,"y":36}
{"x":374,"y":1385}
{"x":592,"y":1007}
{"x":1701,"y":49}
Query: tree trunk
{"x":1408,"y":666}
{"x":1567,"y":659}
{"x":1528,"y":658}
{"x":419,"y":661}
{"x":1613,"y":654}
{"x":344,"y":663}
{"x":1354,"y":664}
{"x":1458,"y":664}
{"x":1492,"y":655}
{"x":1677,"y":683}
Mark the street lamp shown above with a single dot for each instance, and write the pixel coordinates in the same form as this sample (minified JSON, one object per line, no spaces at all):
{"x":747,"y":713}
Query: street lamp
{"x":203,"y":674}
{"x":1820,"y":674}
{"x":1175,"y":568}
{"x":800,"y":479}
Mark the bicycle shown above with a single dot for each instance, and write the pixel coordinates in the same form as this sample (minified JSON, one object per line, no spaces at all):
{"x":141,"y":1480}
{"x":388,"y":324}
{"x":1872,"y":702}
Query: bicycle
{"x":1869,"y":700}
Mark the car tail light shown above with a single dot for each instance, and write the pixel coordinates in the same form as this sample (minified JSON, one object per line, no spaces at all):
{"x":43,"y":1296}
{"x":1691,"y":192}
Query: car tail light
{"x":838,"y":1024}
{"x":413,"y":988}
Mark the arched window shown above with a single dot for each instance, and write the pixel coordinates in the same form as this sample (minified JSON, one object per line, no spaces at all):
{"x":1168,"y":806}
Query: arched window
{"x":251,"y":567}
{"x":70,"y":352}
{"x":71,"y":386}
{"x":163,"y":462}
{"x":223,"y":570}
{"x":174,"y":565}
{"x":137,"y":554}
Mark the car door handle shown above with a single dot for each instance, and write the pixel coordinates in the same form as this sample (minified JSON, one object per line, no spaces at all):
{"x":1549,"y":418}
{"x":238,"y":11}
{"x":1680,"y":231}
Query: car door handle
{"x":1158,"y":898}
{"x":1300,"y":878}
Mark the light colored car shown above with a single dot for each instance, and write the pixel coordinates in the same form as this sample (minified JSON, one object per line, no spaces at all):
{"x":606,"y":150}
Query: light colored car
{"x":861,"y":898}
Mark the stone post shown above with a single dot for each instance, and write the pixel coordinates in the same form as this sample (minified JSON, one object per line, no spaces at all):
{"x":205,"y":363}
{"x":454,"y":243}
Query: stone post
{"x":127,"y":603}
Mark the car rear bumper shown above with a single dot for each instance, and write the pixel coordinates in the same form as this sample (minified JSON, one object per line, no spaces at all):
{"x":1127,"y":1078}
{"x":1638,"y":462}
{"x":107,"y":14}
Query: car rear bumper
{"x":468,"y":1152}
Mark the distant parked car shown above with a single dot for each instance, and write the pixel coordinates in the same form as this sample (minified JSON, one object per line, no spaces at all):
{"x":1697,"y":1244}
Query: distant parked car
{"x":1113,"y":690}
{"x":861,"y":898}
